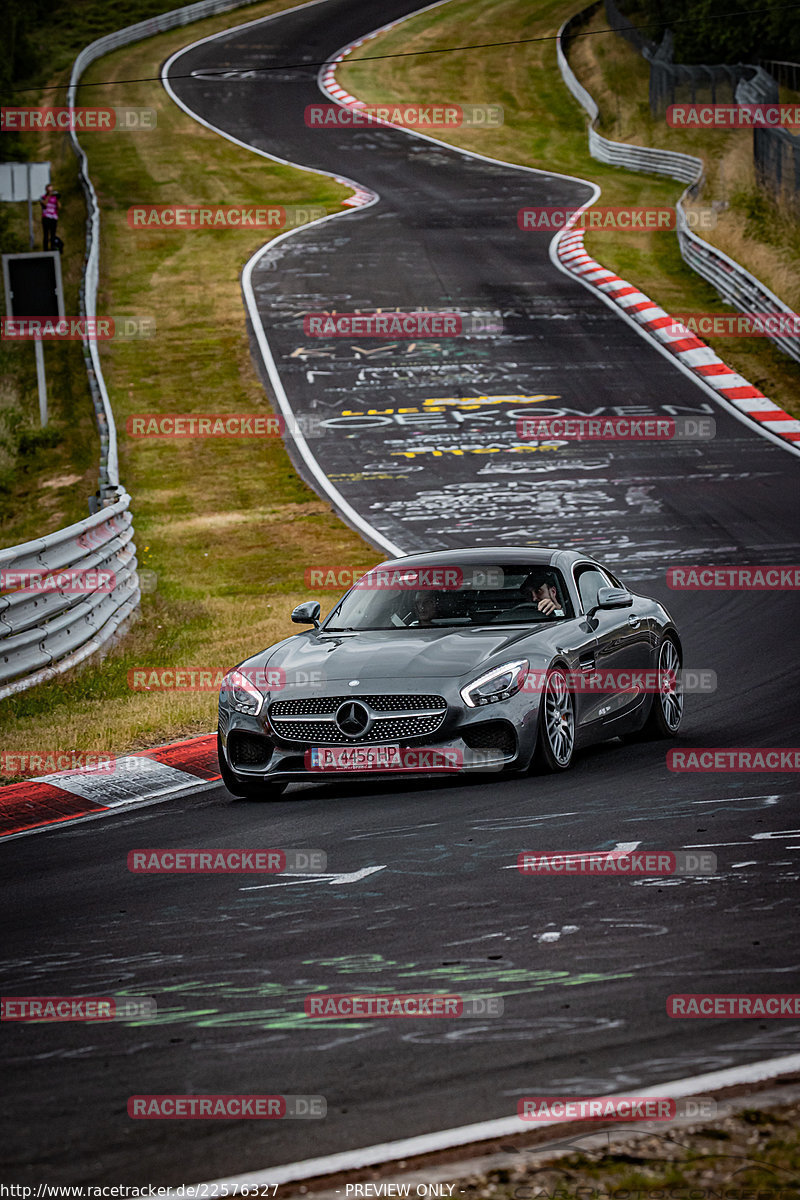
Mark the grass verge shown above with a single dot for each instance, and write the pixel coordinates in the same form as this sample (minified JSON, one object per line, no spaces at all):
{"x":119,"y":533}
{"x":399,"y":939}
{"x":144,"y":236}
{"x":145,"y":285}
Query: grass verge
{"x":545,"y":127}
{"x":227,"y":525}
{"x":754,"y":1153}
{"x":47,"y":475}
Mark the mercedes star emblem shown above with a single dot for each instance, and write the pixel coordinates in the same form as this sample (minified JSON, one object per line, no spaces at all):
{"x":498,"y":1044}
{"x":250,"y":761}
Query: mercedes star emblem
{"x":352,"y":718}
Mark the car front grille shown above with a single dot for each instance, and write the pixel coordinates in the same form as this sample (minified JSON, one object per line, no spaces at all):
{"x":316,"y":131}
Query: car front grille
{"x":395,"y":718}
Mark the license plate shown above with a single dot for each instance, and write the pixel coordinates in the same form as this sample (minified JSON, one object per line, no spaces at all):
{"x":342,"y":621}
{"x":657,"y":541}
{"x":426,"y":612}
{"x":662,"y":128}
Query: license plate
{"x":355,"y":758}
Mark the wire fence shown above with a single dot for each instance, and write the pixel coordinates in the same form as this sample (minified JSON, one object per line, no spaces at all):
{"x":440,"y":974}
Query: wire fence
{"x":777,"y":161}
{"x":786,"y":73}
{"x":776,"y":152}
{"x":733,"y":283}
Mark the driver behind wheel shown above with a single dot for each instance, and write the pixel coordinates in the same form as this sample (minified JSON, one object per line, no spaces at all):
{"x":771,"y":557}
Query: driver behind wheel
{"x":540,"y":593}
{"x":543,"y":591}
{"x":426,"y":607}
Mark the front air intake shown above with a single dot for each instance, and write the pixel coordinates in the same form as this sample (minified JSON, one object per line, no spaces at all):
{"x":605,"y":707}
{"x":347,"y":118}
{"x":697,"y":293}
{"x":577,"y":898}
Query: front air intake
{"x":249,"y":751}
{"x":492,"y":735}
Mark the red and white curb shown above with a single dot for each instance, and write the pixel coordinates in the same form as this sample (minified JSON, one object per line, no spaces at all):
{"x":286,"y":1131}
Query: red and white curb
{"x":133,"y":779}
{"x":362,"y":195}
{"x":674,"y":337}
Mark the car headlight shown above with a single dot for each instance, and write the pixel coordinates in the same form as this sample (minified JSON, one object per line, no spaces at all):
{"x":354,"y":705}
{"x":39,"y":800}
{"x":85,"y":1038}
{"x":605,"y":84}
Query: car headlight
{"x":498,"y":684}
{"x":244,"y":695}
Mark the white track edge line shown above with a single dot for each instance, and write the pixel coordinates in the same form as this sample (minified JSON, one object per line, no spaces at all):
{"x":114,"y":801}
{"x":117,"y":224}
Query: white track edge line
{"x":308,"y":458}
{"x":429,"y":1143}
{"x":333,"y":494}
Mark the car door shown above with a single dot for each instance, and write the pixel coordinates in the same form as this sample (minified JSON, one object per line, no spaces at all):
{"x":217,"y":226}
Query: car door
{"x":576,"y":643}
{"x":622,"y":649}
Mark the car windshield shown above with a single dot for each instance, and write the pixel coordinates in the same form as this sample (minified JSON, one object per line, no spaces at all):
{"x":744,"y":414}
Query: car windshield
{"x":445,"y":597}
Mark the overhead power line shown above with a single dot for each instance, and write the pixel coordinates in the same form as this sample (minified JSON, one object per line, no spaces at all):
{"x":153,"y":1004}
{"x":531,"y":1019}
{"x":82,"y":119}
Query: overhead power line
{"x":417,"y":53}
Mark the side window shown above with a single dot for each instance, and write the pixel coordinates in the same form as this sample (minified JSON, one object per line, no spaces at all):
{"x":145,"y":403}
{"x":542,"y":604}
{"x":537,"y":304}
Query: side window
{"x":590,"y":580}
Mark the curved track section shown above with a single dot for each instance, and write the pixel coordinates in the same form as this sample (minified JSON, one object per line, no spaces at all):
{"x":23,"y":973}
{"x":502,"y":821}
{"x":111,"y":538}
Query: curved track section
{"x":421,"y":438}
{"x":422,"y":894}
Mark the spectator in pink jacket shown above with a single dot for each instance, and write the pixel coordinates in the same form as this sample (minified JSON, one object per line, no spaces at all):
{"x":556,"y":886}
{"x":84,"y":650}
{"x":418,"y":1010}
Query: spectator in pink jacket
{"x":50,"y":204}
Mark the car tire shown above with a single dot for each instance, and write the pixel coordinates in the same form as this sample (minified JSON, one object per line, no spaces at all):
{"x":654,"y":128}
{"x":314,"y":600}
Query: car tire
{"x":666,"y":711}
{"x":258,"y":789}
{"x":555,"y":742}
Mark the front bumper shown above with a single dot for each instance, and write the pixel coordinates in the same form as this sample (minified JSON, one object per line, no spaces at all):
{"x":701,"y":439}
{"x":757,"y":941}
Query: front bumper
{"x":497,"y":737}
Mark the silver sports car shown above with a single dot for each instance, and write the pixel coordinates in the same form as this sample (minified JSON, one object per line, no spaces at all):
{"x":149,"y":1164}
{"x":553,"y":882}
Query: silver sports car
{"x":401,"y":674}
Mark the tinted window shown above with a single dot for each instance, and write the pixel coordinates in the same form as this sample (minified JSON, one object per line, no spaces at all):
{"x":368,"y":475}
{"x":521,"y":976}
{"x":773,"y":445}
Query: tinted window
{"x":477,"y":594}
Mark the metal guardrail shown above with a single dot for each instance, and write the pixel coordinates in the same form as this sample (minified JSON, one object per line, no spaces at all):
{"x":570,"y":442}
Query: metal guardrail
{"x":45,"y":631}
{"x":733,"y":283}
{"x":46,"y":624}
{"x":685,"y":167}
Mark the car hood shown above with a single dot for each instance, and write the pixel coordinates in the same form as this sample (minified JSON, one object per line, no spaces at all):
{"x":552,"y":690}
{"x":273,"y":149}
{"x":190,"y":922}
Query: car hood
{"x":384,"y":655}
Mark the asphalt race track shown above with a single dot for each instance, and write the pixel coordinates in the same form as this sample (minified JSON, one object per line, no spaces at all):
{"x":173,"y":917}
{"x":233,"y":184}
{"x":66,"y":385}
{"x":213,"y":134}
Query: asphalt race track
{"x":584,"y":966}
{"x":445,"y":234}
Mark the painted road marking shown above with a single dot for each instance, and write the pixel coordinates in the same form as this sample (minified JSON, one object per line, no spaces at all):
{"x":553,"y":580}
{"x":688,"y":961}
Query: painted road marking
{"x":623,"y":847}
{"x":294,"y":879}
{"x":754,"y":837}
{"x":773,"y":799}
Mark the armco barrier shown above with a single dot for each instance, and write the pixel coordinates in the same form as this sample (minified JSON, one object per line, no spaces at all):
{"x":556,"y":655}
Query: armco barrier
{"x":735,"y":285}
{"x":45,"y":633}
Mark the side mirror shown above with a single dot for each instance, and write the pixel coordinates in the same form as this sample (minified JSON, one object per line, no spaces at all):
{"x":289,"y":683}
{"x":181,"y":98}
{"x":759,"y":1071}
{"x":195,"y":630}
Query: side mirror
{"x":613,"y":597}
{"x":307,"y":614}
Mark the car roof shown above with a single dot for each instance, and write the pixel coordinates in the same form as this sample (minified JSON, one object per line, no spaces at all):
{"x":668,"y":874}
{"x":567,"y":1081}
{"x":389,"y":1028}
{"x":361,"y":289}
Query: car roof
{"x":524,"y":555}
